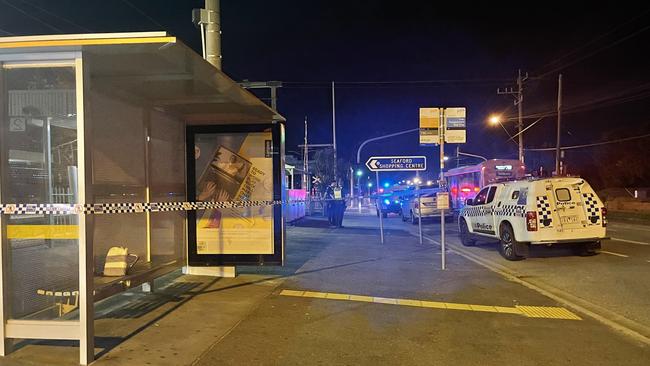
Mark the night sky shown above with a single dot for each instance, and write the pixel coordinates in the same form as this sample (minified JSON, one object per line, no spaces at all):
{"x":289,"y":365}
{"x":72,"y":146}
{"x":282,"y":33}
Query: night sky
{"x":427,"y":54}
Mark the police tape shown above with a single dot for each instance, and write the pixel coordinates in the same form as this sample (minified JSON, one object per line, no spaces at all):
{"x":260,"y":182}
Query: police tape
{"x":129,"y":207}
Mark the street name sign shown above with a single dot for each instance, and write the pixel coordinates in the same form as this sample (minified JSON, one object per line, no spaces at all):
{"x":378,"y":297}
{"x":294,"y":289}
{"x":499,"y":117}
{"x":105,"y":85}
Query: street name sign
{"x":396,"y":163}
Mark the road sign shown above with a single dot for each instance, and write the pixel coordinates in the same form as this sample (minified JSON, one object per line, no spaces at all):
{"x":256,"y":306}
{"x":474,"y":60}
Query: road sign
{"x":396,"y":163}
{"x":429,"y":125}
{"x":442,"y":200}
{"x":455,"y":125}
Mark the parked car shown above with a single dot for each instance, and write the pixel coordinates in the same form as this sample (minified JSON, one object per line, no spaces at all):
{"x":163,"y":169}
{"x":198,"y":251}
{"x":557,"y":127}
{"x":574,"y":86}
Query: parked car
{"x":535,"y":212}
{"x":387,"y":203}
{"x":411,"y":211}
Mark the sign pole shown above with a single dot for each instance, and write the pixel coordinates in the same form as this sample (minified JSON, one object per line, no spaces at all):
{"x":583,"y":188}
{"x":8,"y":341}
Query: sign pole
{"x":442,"y":179}
{"x":381,"y":215}
{"x":417,"y":176}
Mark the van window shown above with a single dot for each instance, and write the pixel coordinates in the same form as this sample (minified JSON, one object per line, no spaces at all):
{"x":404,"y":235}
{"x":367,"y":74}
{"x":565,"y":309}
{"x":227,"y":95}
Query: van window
{"x":481,"y":196}
{"x":523,"y":195}
{"x":515,"y":195}
{"x":563,"y":194}
{"x":490,"y":197}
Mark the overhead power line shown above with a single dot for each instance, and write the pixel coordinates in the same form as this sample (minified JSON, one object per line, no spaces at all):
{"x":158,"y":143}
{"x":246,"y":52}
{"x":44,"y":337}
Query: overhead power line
{"x":152,"y":20}
{"x":595,"y":52}
{"x":391,"y":82}
{"x":31,"y":16}
{"x":633,"y":94}
{"x":6,"y":32}
{"x":594,"y":144}
{"x":594,"y":40}
{"x":55,"y":15}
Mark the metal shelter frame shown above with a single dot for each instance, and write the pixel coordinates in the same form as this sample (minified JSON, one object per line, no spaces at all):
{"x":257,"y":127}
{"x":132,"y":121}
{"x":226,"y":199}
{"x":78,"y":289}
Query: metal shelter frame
{"x":168,"y":77}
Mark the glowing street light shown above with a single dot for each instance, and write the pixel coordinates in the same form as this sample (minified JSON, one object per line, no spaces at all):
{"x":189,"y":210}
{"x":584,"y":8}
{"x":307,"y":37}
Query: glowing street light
{"x":495,"y":119}
{"x":359,"y":173}
{"x":446,"y":158}
{"x":386,"y":185}
{"x":429,"y":182}
{"x":369,"y":184}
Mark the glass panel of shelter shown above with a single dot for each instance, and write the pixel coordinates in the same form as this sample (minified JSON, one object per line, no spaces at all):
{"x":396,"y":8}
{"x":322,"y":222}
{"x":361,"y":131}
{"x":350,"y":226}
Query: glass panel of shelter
{"x":39,"y":165}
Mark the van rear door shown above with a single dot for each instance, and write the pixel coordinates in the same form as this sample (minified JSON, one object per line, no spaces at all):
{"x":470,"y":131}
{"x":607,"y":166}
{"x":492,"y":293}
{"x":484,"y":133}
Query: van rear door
{"x":566,"y":196}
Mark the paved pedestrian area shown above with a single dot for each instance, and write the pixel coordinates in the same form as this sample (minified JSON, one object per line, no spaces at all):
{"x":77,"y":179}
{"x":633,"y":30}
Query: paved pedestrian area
{"x":344,"y":298}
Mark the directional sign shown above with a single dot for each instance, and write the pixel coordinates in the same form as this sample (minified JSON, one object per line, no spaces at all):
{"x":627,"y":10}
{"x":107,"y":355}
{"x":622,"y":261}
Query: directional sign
{"x":396,"y":163}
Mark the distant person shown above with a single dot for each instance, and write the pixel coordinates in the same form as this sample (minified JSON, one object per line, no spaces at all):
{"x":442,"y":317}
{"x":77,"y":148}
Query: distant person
{"x":330,"y":205}
{"x":339,"y":207}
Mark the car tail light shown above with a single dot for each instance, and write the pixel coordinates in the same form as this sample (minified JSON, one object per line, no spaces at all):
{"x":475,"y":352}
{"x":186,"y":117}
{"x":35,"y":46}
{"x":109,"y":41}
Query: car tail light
{"x":604,"y":213}
{"x":531,"y":221}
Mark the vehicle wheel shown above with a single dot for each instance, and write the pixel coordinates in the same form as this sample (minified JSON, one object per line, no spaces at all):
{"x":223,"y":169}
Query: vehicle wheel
{"x":508,"y":243}
{"x":414,"y":220}
{"x":465,"y":236}
{"x":401,"y":214}
{"x":587,"y":249}
{"x":384,"y":214}
{"x":377,"y":213}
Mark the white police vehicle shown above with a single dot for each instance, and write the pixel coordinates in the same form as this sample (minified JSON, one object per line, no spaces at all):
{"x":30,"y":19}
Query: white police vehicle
{"x":537,"y":211}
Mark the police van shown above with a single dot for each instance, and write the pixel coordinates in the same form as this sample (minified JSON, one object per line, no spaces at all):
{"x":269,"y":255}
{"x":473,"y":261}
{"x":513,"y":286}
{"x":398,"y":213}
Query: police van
{"x":536,"y":211}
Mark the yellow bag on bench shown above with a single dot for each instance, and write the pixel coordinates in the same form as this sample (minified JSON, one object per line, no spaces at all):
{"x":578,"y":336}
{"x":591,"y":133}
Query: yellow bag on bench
{"x":117,"y":262}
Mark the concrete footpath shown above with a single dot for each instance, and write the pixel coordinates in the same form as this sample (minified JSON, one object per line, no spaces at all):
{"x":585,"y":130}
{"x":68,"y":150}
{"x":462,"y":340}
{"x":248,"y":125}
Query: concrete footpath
{"x":344,"y":298}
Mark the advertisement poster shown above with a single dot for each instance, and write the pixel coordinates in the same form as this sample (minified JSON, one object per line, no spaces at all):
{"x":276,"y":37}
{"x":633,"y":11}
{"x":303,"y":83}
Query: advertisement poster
{"x":234,"y":167}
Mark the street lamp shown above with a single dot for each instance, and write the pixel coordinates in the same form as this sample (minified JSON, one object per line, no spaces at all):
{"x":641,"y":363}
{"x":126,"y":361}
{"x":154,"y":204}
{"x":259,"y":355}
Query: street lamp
{"x":446,"y":158}
{"x":495,"y":119}
{"x":359,"y":174}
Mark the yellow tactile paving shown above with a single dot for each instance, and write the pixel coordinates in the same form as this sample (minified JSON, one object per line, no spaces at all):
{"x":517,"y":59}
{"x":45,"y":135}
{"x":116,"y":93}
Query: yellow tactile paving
{"x":546,"y":312}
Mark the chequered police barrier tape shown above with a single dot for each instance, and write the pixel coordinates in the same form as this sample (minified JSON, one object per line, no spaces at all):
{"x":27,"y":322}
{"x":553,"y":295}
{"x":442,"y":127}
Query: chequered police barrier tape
{"x":128,"y":207}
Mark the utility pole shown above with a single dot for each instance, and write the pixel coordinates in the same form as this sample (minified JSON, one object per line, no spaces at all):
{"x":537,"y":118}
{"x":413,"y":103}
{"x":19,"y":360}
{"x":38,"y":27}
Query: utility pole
{"x":305,"y":162}
{"x":519,"y":100}
{"x":213,"y":33}
{"x":334,"y":132}
{"x":559,"y":121}
{"x":441,"y":184}
{"x":208,"y":20}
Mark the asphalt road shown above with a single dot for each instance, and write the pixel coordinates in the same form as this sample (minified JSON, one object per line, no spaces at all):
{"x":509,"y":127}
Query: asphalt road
{"x":615,"y":283}
{"x":358,"y":302}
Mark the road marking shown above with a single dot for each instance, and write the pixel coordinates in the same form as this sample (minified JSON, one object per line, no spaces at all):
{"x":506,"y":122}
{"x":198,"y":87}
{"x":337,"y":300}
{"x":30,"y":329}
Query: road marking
{"x":605,"y":316}
{"x":616,"y":254}
{"x":630,"y":241}
{"x":546,"y":312}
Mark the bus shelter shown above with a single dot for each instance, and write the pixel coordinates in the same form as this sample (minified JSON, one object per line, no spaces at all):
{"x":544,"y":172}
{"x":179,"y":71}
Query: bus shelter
{"x":94,"y":155}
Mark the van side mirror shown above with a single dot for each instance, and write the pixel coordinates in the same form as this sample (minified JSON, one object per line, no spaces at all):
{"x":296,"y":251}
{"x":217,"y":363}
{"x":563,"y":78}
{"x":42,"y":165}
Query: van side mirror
{"x":469,"y":202}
